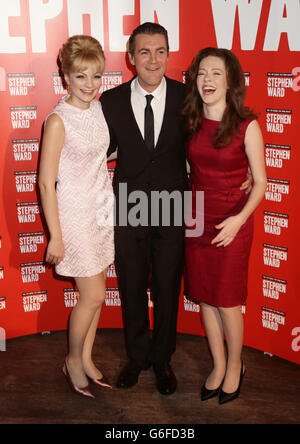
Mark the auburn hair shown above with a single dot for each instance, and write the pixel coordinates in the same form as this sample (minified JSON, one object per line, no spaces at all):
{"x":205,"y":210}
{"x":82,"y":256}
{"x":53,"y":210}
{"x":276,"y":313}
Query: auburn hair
{"x":235,"y":112}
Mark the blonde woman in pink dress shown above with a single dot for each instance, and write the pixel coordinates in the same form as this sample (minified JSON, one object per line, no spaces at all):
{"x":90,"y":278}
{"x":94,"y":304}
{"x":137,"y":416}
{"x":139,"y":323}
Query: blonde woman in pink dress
{"x":77,"y":200}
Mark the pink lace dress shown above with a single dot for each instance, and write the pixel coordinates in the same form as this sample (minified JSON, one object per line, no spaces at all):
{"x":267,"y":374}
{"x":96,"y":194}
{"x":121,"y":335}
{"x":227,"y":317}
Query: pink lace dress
{"x":84,"y":192}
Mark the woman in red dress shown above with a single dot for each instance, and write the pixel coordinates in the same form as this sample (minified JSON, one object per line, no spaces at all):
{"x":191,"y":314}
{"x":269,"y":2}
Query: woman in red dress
{"x":225,"y":139}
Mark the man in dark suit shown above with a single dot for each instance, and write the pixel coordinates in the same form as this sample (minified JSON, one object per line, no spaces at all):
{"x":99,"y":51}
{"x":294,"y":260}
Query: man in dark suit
{"x":148,"y":131}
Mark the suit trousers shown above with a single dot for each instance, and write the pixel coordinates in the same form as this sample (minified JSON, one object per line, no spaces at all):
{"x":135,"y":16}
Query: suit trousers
{"x":149,"y":257}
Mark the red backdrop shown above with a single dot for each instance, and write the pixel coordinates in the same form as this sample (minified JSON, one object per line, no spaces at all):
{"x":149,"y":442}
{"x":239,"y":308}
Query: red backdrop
{"x":264,"y":34}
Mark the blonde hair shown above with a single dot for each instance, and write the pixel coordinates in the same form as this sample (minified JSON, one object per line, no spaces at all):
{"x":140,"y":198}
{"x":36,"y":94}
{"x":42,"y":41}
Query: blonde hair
{"x":79,"y":51}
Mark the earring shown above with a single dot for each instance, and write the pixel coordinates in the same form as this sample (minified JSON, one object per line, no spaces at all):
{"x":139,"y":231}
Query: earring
{"x":68,"y":89}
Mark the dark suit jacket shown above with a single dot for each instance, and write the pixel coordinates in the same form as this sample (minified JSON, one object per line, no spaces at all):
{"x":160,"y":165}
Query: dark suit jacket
{"x":165,"y":169}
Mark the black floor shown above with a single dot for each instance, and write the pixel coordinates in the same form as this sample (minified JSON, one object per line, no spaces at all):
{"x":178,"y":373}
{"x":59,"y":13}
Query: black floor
{"x":33,"y":389}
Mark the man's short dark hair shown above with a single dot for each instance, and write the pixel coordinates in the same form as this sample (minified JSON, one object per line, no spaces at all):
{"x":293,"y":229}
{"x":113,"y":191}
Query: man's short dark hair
{"x":150,"y":29}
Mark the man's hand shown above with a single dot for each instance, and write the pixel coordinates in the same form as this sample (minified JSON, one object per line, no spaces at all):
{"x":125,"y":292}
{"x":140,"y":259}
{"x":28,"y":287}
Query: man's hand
{"x":247,"y":185}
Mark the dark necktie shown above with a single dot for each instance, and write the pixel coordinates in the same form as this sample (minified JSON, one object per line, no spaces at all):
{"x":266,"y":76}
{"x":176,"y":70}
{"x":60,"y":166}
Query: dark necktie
{"x":149,"y":124}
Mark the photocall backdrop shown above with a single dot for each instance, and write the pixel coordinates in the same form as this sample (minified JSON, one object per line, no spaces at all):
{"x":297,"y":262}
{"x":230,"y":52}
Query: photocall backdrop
{"x":264,"y":34}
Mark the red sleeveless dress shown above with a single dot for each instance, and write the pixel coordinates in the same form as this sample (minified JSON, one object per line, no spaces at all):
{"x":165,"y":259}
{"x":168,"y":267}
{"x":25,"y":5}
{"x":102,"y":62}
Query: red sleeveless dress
{"x":218,"y":276}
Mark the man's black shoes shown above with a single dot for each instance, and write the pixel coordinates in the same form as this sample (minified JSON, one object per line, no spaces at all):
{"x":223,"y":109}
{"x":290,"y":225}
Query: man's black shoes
{"x":166,"y":382}
{"x":128,"y":377}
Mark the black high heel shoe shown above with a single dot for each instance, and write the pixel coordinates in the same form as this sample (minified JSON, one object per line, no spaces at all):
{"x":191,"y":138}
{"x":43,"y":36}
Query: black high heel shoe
{"x":227,"y":397}
{"x":208,"y":394}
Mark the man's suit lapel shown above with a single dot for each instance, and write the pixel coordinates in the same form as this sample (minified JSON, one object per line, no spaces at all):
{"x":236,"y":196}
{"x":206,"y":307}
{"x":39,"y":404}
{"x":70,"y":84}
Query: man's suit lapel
{"x":169,"y":109}
{"x":128,"y":118}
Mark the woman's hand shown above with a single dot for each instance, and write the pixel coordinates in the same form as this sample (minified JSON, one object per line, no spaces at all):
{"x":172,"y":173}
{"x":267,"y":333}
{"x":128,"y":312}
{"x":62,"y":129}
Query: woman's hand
{"x":229,"y":229}
{"x":55,"y":251}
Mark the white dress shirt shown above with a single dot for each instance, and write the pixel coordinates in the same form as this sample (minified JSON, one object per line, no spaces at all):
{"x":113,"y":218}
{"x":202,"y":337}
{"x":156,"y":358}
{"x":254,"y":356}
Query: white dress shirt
{"x":158,"y":103}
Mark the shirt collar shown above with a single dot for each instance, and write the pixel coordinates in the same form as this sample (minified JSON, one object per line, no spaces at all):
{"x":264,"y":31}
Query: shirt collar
{"x":157,"y":93}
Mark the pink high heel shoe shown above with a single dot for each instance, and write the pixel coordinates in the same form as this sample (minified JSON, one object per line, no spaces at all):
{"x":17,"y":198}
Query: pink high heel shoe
{"x":84,"y":391}
{"x":102,"y":382}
